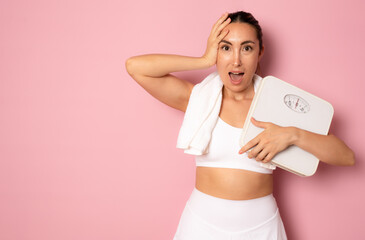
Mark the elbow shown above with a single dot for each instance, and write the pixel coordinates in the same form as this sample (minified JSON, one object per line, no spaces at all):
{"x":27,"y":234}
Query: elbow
{"x":129,"y":63}
{"x":351,"y":158}
{"x":133,"y":66}
{"x":347,"y":159}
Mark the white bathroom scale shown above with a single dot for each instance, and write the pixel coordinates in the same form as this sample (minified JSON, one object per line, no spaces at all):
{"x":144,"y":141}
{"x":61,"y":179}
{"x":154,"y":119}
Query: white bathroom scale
{"x":285,"y":105}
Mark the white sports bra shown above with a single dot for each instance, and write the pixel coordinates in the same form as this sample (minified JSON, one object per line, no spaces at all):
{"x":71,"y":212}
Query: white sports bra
{"x":223,"y":151}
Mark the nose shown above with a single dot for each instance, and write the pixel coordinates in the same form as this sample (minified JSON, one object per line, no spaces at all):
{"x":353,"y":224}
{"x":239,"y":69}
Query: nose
{"x":237,"y":59}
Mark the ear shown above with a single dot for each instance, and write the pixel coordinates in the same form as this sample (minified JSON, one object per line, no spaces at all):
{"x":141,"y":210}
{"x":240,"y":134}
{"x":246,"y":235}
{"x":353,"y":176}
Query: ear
{"x":261,"y":52}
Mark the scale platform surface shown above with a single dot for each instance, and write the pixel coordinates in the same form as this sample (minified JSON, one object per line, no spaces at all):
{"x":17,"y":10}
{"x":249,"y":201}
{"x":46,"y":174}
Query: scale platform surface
{"x":286,"y":105}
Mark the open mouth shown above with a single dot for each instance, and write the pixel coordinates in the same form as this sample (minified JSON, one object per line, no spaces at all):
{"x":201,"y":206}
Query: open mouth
{"x":236,"y":77}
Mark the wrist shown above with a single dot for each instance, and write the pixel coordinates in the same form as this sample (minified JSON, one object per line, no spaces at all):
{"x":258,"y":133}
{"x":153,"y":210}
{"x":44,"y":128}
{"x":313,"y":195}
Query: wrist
{"x":295,"y":135}
{"x":207,"y":61}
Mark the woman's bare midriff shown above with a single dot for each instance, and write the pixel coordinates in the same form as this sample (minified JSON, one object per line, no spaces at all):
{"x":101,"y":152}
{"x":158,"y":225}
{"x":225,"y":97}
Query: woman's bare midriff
{"x":233,"y":184}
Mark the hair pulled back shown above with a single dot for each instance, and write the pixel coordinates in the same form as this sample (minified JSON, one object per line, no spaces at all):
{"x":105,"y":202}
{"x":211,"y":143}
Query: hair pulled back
{"x":246,"y":17}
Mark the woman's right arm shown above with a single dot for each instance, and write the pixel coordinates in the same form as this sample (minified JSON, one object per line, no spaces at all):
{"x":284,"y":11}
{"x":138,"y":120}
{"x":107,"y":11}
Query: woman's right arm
{"x":153,"y":71}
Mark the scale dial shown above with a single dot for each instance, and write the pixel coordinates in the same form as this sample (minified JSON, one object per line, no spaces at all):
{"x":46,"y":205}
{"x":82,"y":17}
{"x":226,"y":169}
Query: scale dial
{"x":296,"y":103}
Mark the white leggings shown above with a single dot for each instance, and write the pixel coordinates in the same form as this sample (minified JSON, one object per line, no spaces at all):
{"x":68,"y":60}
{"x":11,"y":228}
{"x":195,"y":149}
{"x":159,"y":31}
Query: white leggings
{"x":210,"y":218}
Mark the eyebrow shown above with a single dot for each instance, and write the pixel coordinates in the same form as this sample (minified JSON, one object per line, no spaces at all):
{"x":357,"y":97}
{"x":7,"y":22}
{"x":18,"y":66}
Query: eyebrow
{"x":245,"y":42}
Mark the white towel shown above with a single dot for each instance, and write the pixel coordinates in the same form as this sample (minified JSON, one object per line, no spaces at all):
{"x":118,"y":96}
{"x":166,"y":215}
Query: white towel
{"x":202,"y":114}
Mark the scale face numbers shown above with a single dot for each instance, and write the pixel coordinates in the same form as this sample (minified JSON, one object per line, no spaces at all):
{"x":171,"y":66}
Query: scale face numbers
{"x":296,"y":103}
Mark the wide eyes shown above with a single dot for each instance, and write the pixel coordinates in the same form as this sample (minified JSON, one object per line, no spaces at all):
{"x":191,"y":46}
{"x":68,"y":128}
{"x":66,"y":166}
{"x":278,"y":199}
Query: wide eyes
{"x":225,"y":48}
{"x":246,"y":48}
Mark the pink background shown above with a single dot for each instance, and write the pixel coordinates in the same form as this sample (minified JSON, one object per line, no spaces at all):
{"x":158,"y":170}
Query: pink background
{"x":85,"y":153}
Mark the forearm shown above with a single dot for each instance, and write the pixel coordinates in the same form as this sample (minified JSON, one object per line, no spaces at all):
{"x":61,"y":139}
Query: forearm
{"x":327,"y":148}
{"x":158,"y":65}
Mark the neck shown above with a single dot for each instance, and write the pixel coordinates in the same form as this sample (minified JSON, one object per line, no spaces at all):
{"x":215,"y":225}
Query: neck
{"x":246,"y":94}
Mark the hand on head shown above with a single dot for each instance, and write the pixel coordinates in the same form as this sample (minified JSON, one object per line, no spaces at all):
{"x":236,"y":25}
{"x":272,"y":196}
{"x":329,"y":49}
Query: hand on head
{"x":216,"y":35}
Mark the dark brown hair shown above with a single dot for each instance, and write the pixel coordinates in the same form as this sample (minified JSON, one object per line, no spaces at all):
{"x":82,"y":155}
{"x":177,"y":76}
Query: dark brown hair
{"x":245,"y":17}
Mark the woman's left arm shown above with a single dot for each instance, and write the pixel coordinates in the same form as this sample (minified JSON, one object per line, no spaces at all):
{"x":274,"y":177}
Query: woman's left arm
{"x":274,"y":139}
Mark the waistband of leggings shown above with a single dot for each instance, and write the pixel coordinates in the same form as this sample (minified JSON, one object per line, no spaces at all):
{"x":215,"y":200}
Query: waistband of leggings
{"x":206,"y":197}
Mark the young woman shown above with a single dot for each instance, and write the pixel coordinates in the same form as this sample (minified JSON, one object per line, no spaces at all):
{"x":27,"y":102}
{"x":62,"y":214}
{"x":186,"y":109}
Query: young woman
{"x":233,"y":197}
